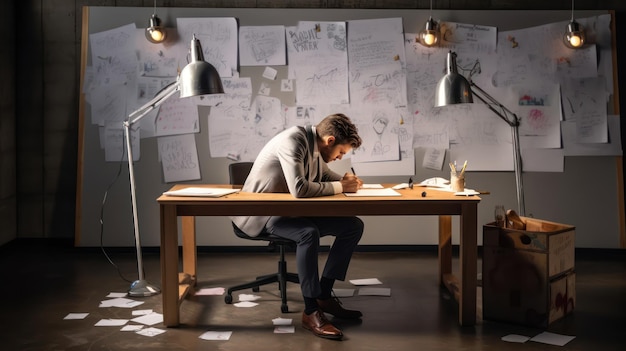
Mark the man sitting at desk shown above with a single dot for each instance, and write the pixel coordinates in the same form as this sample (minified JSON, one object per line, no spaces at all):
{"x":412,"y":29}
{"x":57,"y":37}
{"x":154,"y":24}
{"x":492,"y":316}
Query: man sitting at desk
{"x":295,"y":161}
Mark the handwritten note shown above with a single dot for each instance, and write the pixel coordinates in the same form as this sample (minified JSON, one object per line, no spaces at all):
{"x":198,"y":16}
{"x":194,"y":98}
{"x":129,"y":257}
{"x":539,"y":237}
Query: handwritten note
{"x":179,"y":158}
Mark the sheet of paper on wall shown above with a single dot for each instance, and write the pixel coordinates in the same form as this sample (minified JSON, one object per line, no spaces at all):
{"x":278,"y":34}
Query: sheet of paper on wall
{"x":179,"y":158}
{"x":573,"y":148}
{"x":201,"y":192}
{"x":177,"y":116}
{"x":433,"y":158}
{"x":262,"y":45}
{"x":318,"y":62}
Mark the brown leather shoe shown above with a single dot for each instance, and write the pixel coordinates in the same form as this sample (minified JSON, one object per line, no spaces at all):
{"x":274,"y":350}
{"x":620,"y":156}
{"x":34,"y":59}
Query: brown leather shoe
{"x":317,"y":323}
{"x":333,"y":306}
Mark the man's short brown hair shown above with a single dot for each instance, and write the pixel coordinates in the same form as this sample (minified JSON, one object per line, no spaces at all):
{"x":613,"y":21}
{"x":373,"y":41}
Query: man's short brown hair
{"x":339,"y":126}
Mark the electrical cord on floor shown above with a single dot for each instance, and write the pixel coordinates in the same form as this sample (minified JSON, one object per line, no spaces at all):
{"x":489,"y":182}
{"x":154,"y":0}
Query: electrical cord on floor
{"x":104,"y":199}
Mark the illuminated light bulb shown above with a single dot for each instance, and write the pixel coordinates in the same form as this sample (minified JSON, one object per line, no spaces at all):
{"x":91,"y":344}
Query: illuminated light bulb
{"x":575,"y":41}
{"x":430,"y":35}
{"x":429,"y":39}
{"x":155,"y":33}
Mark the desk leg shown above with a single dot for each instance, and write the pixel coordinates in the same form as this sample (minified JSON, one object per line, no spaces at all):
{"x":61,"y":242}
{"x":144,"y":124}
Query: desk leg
{"x":445,"y":247}
{"x":169,"y":265}
{"x":468,"y":264}
{"x":190,"y":263}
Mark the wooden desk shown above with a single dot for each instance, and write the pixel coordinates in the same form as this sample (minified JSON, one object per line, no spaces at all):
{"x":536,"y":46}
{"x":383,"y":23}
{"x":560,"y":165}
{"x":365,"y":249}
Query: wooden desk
{"x":175,"y":284}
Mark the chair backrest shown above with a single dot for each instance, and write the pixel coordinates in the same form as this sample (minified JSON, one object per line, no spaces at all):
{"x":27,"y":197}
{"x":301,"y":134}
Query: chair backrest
{"x":238,"y":172}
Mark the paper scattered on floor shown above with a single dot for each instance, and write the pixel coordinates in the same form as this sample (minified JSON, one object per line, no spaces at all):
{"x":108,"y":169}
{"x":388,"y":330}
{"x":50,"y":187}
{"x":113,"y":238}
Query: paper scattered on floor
{"x":150,"y":331}
{"x":515,"y":338}
{"x":284,"y":329}
{"x":282,"y":321}
{"x":149,"y":319}
{"x":552,"y":339}
{"x":343,"y":292}
{"x":76,"y":316}
{"x":132,"y":327}
{"x":117,"y":294}
{"x":111,"y":322}
{"x":367,"y":281}
{"x":248,"y":297}
{"x":245,"y":304}
{"x":210,"y":291}
{"x":374,"y":292}
{"x":216,"y":335}
{"x":141,"y":312}
{"x":120,"y":302}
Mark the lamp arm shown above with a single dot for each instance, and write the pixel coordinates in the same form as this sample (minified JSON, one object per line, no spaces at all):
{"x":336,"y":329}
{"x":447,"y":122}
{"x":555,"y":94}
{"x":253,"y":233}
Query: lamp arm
{"x":156,"y":101}
{"x":512,"y":120}
{"x":507,"y":115}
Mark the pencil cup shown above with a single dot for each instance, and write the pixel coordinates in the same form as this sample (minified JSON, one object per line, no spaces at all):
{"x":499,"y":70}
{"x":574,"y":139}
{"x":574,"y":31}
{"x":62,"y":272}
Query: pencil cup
{"x":457,"y":183}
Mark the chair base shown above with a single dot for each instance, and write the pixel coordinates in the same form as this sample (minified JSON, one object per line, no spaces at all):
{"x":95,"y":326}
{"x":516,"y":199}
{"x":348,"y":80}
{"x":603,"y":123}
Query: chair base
{"x":281,"y":277}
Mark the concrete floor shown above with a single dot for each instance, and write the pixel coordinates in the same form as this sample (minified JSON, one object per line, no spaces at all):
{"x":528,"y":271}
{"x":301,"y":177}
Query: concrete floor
{"x":42,"y":283}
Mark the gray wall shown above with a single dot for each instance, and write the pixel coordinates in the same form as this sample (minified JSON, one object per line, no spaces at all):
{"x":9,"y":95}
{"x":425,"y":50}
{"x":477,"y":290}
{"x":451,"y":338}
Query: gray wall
{"x":39,"y":111}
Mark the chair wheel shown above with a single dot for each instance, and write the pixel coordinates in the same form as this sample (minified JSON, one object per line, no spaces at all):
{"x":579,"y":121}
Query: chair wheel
{"x":228,"y":299}
{"x":284,"y":308}
{"x":255,"y":289}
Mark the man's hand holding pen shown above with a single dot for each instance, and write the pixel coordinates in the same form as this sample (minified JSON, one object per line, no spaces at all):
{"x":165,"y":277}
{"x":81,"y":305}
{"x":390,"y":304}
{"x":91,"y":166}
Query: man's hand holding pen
{"x":350,"y":182}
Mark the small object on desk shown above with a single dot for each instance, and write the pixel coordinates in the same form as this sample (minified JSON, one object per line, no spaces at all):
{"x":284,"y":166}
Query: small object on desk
{"x":457,"y":180}
{"x":423,"y":194}
{"x":435,"y":182}
{"x":400,"y":186}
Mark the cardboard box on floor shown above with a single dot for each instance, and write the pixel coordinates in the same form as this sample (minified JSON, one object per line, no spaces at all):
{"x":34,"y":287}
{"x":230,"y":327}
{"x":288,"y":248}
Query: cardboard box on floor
{"x":528,"y":275}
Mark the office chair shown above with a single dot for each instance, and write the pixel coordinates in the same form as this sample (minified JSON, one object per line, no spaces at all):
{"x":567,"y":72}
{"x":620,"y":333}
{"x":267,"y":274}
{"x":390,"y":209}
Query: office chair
{"x":238,"y":172}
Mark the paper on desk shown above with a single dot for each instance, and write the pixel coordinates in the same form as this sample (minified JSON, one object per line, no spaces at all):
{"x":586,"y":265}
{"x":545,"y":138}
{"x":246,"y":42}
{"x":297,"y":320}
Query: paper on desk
{"x":467,"y":192}
{"x":201,"y":192}
{"x":366,"y":281}
{"x":375,"y":192}
{"x":372,"y":186}
{"x":552,"y":339}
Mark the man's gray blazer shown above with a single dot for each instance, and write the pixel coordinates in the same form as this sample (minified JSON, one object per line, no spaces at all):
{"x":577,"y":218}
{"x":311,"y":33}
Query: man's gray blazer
{"x":289,"y":162}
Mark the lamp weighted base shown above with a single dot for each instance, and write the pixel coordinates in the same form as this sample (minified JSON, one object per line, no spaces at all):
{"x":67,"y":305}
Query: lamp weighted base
{"x":143,"y":288}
